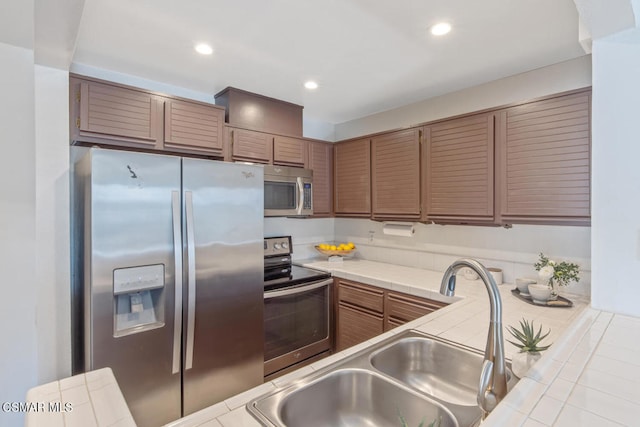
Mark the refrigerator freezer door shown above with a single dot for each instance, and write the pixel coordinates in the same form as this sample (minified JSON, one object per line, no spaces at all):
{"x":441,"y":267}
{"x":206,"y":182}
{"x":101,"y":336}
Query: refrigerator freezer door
{"x":223,"y":333}
{"x":130,"y":219}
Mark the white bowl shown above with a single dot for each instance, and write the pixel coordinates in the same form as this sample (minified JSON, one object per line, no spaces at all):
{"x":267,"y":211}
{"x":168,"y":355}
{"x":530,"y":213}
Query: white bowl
{"x":523,"y":285}
{"x":469,"y":274}
{"x":540,"y":293}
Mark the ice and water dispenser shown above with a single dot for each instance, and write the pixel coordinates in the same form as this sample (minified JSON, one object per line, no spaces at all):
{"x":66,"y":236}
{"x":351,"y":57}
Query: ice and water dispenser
{"x":138,"y":294}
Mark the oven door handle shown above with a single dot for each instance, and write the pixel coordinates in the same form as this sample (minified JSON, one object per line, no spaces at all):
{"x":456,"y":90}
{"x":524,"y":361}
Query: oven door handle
{"x":296,"y":290}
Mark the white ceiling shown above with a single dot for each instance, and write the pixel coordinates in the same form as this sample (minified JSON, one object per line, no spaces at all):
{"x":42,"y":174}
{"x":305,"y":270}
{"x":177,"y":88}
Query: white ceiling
{"x":367,"y":55}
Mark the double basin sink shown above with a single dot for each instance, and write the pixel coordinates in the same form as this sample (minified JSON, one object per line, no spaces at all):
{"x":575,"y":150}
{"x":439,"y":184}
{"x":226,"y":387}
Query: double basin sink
{"x":408,"y":380}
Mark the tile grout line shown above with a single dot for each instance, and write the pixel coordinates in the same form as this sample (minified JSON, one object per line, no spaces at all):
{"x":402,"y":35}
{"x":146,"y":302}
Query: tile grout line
{"x":588,"y":361}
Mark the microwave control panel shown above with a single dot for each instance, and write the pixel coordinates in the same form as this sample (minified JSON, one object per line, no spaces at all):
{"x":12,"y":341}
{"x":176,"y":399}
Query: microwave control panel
{"x":307,"y":196}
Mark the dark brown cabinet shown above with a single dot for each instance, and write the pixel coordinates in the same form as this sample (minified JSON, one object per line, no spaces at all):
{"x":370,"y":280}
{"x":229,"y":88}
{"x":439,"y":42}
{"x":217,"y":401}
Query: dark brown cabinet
{"x":459,"y":165}
{"x":360,"y":314}
{"x":545,"y":161}
{"x":119,"y":115}
{"x":289,"y":151}
{"x":249,"y":110}
{"x":193,"y":127}
{"x":395,"y":175}
{"x":252,"y":146}
{"x":365,"y":311}
{"x":320,"y":161}
{"x":402,"y":308}
{"x":110,"y":113}
{"x":352,"y":172}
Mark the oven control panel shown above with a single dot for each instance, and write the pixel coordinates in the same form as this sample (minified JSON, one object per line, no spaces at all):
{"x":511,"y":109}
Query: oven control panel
{"x":274,"y":246}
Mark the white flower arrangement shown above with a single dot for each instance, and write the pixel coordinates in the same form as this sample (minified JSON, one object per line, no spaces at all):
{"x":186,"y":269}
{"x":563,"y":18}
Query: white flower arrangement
{"x":562,"y":273}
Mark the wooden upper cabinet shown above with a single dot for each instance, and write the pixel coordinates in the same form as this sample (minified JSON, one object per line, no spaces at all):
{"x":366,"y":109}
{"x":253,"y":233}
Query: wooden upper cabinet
{"x":289,"y":151}
{"x":320,"y":161}
{"x":352,"y":178}
{"x":248,"y":145}
{"x":109,"y":112}
{"x":193,"y":127}
{"x":395,"y":175}
{"x":545,"y":161}
{"x":459,"y":163}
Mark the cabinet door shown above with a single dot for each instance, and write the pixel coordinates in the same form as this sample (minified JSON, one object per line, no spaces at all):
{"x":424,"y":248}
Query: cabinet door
{"x":402,"y":308}
{"x":320,"y":161}
{"x":289,"y":151}
{"x":116,"y":113}
{"x":545,"y":161}
{"x":251,"y":146}
{"x":395,"y":175}
{"x":459,"y":170}
{"x":193,"y":127}
{"x":356,"y":326}
{"x":364,"y":296}
{"x":352,"y":178}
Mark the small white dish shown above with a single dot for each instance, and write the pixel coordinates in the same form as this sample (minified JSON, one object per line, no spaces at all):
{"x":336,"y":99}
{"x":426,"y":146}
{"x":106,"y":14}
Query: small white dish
{"x":540,"y":293}
{"x":469,"y":274}
{"x":523,"y":285}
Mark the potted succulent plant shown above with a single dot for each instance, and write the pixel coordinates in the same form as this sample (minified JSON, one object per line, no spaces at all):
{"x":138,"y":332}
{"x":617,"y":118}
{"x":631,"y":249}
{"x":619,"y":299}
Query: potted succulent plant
{"x":528,"y":341}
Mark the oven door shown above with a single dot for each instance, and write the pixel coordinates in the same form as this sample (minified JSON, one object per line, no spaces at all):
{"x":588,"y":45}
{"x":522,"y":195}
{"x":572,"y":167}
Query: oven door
{"x":297,"y":324}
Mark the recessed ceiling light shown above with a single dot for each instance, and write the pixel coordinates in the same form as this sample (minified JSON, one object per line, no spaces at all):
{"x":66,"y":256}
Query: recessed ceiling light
{"x":440,"y":29}
{"x":311,"y":85}
{"x":204,"y":49}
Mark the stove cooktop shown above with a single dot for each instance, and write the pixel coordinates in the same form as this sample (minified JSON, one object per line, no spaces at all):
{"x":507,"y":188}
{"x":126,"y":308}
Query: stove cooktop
{"x":292,"y":275}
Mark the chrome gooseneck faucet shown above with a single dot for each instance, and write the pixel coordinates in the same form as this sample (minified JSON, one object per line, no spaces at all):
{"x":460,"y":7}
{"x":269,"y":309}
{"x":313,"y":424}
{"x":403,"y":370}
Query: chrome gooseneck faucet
{"x":493,"y":380}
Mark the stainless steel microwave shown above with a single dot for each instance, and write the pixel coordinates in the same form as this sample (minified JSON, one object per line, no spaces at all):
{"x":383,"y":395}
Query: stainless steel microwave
{"x":288,"y":191}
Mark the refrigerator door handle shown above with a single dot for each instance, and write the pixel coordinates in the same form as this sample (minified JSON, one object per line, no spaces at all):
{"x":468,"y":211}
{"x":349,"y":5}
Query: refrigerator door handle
{"x":177,"y":253}
{"x":191,"y":279}
{"x":300,"y":195}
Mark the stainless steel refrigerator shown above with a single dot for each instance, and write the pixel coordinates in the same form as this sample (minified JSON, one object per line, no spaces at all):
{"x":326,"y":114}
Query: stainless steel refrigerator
{"x":168,"y":256}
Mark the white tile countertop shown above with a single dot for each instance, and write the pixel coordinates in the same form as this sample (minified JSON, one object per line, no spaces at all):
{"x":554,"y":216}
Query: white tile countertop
{"x":589,"y":376}
{"x":86,"y":400}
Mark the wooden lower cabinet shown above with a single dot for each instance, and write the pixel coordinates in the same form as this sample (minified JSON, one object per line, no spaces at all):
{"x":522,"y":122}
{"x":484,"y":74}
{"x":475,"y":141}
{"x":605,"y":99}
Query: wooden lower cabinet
{"x":365,"y":311}
{"x":356,"y":325}
{"x":402,"y":308}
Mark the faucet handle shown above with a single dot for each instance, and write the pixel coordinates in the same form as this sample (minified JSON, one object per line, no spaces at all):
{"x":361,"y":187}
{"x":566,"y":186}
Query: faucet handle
{"x":486,"y":398}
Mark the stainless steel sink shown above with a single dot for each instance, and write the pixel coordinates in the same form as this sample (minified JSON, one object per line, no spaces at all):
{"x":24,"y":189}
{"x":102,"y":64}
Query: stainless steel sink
{"x":412,"y":374}
{"x":433,"y":367}
{"x":354,"y":397}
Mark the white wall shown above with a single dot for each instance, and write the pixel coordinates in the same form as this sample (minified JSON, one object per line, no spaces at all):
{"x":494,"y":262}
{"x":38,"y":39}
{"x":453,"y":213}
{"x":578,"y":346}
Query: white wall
{"x":52,"y":223}
{"x":304,"y":232}
{"x":135,"y":81}
{"x":616,"y":173}
{"x":435,"y":247}
{"x":18,"y":357}
{"x":568,"y":75}
{"x":318,"y":130}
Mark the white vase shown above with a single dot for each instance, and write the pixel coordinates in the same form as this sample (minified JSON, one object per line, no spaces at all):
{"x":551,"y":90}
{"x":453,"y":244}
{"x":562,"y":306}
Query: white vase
{"x":521,"y":362}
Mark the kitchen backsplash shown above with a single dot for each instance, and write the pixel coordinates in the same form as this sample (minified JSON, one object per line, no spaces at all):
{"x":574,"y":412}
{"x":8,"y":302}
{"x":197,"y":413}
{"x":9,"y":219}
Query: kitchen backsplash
{"x":435,"y":247}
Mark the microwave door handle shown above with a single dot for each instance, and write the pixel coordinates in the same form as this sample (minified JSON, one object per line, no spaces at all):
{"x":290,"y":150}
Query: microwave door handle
{"x":300,"y":195}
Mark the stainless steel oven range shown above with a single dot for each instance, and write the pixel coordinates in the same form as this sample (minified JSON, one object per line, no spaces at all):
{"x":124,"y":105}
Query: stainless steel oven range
{"x":297,"y":310}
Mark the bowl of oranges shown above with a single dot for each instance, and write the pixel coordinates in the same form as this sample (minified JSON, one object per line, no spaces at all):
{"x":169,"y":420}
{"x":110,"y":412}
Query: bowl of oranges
{"x":333,"y":249}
